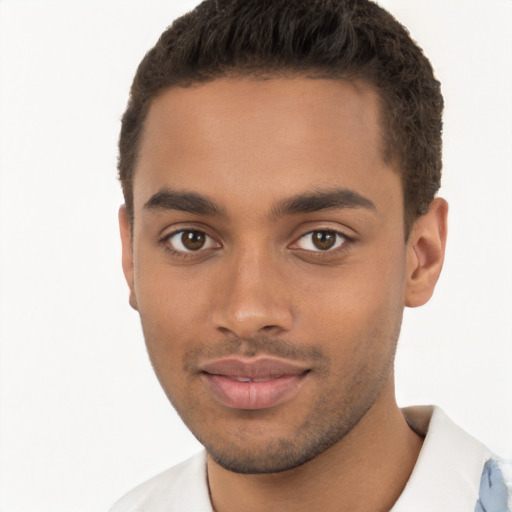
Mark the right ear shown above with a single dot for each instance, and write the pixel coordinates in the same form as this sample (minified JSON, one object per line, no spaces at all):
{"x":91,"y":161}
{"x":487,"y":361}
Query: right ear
{"x":125,"y":229}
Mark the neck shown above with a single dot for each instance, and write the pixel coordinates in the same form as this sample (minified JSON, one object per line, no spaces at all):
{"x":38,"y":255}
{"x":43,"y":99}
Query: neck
{"x":365,"y":471}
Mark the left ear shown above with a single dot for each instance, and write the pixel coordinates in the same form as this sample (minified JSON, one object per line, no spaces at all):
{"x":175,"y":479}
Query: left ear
{"x":425,"y":253}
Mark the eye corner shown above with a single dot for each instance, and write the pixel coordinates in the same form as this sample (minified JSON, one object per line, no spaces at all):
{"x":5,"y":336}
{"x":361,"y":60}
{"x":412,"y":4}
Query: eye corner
{"x":322,"y":240}
{"x":189,"y":242}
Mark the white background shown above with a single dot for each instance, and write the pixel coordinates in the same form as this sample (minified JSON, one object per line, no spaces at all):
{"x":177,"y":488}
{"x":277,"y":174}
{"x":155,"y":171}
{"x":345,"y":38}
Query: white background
{"x":82,"y":418}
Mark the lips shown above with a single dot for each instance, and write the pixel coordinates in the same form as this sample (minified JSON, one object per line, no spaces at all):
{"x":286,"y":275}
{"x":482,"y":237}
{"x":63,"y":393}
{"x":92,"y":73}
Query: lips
{"x":251,"y":384}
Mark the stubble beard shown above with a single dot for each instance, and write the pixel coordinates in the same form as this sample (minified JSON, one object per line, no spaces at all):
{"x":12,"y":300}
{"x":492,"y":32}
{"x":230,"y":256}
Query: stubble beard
{"x":328,"y":422}
{"x":281,"y":454}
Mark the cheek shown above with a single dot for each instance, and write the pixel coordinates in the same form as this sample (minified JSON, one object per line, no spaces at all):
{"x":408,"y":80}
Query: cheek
{"x":168,"y":309}
{"x":355,"y":301}
{"x":166,"y":294}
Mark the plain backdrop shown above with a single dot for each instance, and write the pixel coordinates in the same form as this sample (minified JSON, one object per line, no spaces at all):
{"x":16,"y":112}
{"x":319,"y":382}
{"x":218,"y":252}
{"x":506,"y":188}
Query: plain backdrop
{"x":82,"y":417}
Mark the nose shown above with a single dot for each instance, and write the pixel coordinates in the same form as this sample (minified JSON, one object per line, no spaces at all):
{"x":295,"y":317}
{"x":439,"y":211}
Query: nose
{"x":252,"y":296}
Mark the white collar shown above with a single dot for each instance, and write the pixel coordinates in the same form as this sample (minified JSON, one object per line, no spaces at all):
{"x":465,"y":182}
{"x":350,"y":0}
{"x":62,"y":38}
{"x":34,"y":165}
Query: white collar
{"x":446,"y":477}
{"x":448,"y":471}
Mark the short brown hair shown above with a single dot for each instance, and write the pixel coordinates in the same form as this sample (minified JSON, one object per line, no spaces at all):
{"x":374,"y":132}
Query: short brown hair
{"x":340,"y":39}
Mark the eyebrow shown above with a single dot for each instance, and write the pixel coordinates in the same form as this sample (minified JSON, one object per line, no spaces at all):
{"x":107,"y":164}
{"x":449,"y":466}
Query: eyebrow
{"x":333,"y":199}
{"x":191,"y":202}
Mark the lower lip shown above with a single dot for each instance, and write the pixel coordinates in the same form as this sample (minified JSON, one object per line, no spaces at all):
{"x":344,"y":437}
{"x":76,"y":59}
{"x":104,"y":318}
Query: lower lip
{"x":253,"y":395}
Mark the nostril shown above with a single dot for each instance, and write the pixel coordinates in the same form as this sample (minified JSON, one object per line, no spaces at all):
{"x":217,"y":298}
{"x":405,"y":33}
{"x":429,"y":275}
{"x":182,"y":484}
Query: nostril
{"x":224,"y":330}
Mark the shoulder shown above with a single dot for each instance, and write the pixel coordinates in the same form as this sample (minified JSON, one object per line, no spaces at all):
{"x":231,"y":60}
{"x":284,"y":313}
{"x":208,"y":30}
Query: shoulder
{"x":181,"y":488}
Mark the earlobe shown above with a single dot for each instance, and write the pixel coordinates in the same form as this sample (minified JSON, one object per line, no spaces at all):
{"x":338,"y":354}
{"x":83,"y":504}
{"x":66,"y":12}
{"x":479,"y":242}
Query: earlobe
{"x":127,"y":251}
{"x":425,"y":253}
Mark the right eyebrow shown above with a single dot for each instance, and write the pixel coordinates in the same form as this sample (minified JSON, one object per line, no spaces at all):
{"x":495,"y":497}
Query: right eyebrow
{"x":191,"y":202}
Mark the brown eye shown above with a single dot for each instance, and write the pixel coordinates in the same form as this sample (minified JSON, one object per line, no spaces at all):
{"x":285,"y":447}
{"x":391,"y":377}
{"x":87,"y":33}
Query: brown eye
{"x":321,"y":240}
{"x":190,"y":240}
{"x":193,"y":240}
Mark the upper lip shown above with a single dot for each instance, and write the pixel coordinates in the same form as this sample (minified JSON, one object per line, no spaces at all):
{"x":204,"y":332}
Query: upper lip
{"x":254,"y":368}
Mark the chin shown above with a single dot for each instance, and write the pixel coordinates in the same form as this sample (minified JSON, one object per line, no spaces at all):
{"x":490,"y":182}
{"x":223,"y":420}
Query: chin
{"x":276,"y":455}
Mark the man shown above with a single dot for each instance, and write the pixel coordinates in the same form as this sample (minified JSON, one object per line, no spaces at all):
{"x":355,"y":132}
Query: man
{"x":280,"y":162}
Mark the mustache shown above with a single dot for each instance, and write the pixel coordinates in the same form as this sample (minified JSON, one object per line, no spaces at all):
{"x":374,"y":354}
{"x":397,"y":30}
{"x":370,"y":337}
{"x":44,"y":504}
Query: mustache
{"x":253,"y":347}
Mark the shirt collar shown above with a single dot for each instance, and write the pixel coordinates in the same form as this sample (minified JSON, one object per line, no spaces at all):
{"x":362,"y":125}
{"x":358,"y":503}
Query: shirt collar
{"x":447,"y":474}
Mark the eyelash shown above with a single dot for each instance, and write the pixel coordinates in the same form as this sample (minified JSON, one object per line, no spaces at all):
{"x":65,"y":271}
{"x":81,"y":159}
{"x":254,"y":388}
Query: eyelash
{"x":319,"y":253}
{"x":345,"y":244}
{"x":165,"y":242}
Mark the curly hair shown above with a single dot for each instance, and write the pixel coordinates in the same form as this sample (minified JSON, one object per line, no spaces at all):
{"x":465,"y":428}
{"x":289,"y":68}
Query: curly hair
{"x":338,"y":39}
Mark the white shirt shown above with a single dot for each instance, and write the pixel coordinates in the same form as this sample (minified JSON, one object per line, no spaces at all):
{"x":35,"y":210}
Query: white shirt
{"x":446,"y":477}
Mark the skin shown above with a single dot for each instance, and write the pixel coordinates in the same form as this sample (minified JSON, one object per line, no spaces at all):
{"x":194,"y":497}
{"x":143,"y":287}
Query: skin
{"x":260,"y":286}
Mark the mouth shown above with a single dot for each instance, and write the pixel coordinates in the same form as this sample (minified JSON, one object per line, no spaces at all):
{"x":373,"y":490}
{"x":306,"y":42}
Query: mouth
{"x":252,"y":384}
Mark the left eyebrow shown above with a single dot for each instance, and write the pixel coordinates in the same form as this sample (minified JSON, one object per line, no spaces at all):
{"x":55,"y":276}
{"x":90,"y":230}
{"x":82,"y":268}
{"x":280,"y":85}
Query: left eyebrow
{"x":337,"y":199}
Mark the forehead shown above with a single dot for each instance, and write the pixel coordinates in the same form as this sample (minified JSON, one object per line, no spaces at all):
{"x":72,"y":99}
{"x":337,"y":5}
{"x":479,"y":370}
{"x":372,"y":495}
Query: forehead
{"x":262,"y":137}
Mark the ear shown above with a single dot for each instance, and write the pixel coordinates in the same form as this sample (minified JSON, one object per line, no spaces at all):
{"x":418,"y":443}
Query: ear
{"x":425,"y":253}
{"x":127,"y":248}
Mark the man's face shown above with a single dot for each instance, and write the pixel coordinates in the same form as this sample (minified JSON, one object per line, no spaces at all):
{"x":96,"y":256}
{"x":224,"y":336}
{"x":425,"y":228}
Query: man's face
{"x":269,"y":263}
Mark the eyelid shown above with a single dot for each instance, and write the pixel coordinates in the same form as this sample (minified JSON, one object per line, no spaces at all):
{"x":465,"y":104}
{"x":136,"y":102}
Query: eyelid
{"x":213,"y":242}
{"x":165,"y":240}
{"x":338,"y":241}
{"x":339,"y":246}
